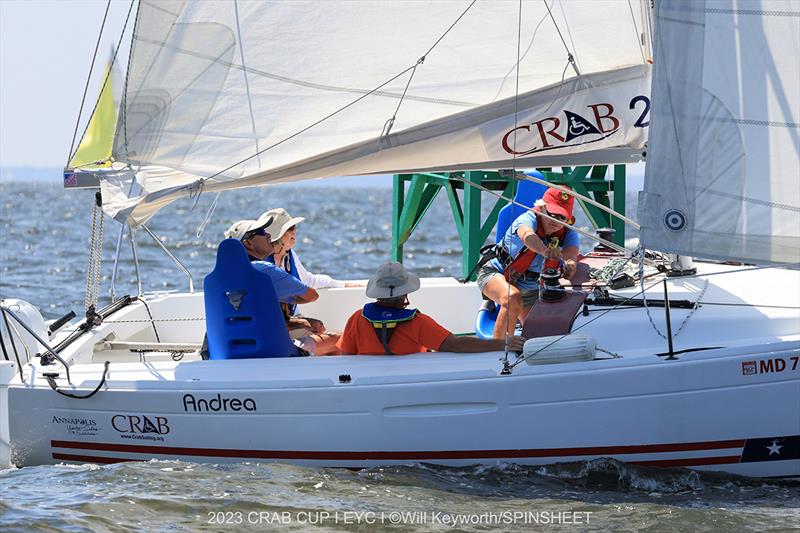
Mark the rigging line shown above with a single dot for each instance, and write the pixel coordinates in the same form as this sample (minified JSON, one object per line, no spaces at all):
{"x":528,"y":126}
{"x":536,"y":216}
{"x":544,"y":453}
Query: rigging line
{"x":105,"y":82}
{"x":246,"y":81}
{"x":748,"y":269}
{"x":610,"y":244}
{"x":638,"y":33}
{"x":88,"y":79}
{"x":387,"y":127}
{"x":569,"y":54}
{"x":561,"y":86}
{"x":448,"y":29}
{"x":753,"y":305}
{"x":514,"y":169}
{"x":569,"y":31}
{"x":583,"y":198}
{"x":601,"y":315}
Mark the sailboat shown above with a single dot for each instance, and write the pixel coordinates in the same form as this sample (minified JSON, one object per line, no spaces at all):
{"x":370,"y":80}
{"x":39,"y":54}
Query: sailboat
{"x":223,"y":95}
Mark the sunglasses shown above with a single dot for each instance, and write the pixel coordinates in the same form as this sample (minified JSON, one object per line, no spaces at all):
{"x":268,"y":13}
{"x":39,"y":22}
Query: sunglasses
{"x":293,"y":228}
{"x":559,"y":217}
{"x":255,"y":232}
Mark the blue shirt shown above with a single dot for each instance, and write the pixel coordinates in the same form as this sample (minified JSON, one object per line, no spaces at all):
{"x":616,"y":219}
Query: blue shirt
{"x":513,"y":244}
{"x":286,"y":285}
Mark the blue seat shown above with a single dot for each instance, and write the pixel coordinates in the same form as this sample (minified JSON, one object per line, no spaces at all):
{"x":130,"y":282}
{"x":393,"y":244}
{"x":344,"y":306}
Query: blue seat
{"x":527,"y":193}
{"x":243,"y":317}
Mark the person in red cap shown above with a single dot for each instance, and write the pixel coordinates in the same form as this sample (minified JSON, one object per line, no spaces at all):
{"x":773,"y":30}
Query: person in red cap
{"x":538,"y":235}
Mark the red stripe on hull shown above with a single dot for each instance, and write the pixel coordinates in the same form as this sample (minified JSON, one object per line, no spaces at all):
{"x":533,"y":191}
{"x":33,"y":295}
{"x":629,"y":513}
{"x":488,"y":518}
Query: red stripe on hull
{"x":694,"y":461}
{"x":399,"y":455}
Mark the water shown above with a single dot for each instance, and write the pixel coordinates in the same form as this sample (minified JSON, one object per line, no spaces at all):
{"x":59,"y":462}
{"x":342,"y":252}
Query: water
{"x":43,"y":243}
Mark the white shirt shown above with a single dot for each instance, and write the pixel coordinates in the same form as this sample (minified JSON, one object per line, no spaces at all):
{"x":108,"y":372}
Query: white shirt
{"x":315,"y":281}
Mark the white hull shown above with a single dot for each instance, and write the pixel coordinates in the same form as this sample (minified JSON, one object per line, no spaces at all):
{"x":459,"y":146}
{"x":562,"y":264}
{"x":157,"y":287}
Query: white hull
{"x":735,"y":408}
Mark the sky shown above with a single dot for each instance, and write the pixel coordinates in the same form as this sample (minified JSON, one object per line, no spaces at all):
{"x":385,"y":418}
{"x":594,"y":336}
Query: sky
{"x":46,"y":49}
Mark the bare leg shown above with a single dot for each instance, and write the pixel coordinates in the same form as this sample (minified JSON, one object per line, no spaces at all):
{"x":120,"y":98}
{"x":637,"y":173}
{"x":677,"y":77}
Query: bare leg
{"x":326,"y":342}
{"x":510,"y":300}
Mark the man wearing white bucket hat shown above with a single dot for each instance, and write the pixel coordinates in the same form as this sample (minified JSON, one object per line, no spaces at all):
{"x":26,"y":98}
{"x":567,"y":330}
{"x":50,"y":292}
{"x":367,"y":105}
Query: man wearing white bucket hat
{"x":388,"y":327}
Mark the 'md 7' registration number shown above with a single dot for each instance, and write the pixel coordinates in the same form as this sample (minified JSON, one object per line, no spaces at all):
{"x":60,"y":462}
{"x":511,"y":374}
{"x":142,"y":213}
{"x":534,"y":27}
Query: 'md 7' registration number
{"x":766,"y":366}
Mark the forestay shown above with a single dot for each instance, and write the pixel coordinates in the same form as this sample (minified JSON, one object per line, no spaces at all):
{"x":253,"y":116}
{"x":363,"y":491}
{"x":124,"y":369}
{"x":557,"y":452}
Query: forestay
{"x":228,"y":94}
{"x":723,"y":165}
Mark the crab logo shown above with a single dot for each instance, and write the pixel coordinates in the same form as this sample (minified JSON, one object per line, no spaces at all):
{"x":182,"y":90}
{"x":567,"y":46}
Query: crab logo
{"x":554,"y":132}
{"x":674,"y":220}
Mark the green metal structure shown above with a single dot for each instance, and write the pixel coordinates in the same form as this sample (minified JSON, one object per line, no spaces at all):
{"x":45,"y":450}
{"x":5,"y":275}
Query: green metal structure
{"x":412,"y":202}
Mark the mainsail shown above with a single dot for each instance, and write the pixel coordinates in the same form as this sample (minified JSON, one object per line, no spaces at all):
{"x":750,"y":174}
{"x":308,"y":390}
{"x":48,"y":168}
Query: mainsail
{"x":723,"y":164}
{"x":228,"y":94}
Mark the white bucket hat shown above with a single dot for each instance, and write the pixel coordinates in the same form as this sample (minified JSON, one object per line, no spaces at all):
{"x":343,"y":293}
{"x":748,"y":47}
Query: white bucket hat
{"x":392,"y":280}
{"x":281,"y":223}
{"x":242,"y":227}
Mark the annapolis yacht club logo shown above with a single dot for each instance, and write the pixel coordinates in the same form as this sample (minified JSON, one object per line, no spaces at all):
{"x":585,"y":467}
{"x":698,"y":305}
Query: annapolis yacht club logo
{"x":77,"y":425}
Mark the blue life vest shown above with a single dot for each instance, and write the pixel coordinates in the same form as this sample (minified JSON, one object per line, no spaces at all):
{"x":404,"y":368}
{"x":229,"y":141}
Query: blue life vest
{"x":385,"y":321}
{"x":288,"y":261}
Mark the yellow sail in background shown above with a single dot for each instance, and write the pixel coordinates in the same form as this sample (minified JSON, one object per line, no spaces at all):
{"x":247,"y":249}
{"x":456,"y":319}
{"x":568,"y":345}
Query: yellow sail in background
{"x":98,"y":141}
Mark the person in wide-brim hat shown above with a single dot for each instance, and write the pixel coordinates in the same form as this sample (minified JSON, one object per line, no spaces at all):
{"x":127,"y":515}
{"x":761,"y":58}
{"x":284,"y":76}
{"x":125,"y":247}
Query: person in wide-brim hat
{"x":284,"y":235}
{"x":392,"y":280}
{"x":388,"y":327}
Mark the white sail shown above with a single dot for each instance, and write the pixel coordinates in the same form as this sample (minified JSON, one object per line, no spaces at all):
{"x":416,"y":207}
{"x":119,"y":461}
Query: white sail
{"x":246,"y":93}
{"x":723,"y":165}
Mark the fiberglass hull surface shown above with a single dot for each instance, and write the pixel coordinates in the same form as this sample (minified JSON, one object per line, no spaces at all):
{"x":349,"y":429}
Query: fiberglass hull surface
{"x":734,"y":410}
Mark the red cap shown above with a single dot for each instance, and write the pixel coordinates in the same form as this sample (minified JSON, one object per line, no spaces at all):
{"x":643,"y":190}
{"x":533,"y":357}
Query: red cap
{"x":558,"y":202}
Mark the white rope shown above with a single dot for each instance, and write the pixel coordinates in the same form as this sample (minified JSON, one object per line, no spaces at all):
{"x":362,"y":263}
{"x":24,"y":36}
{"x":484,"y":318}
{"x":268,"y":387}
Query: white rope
{"x":213,"y":207}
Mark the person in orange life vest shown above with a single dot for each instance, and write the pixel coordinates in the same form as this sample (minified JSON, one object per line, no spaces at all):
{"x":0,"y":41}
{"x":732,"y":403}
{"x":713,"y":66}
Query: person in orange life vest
{"x":548,"y":240}
{"x":388,"y":327}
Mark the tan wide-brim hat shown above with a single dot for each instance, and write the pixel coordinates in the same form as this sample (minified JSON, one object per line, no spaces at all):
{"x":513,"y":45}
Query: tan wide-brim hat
{"x":281,"y":222}
{"x":392,"y":280}
{"x":242,"y":227}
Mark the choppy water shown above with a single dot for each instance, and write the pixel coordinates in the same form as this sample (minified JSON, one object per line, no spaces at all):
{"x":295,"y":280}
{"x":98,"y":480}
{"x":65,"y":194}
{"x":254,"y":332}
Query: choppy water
{"x":43,"y":242}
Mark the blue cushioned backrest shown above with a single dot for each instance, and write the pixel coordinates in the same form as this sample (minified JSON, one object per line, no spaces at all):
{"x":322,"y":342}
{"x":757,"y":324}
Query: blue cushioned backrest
{"x":257,"y":328}
{"x":527,"y":193}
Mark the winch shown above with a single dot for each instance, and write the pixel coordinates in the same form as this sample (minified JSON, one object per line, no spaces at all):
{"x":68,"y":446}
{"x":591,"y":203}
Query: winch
{"x":550,"y":288}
